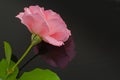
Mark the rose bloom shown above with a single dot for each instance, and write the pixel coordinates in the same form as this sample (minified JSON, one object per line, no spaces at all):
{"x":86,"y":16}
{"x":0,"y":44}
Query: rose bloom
{"x":47,"y":24}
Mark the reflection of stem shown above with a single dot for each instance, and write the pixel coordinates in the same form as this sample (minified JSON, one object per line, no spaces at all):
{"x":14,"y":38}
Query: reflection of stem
{"x":28,"y":61}
{"x":35,"y":39}
{"x":26,"y":52}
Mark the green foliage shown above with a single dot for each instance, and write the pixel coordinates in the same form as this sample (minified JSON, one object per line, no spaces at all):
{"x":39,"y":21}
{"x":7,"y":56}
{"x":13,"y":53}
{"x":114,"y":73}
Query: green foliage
{"x":8,"y":51}
{"x":6,"y":65}
{"x":39,"y":74}
{"x":5,"y":73}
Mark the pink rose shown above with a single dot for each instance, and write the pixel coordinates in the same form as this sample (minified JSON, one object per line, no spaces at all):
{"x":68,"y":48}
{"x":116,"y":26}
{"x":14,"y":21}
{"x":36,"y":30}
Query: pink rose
{"x":45,"y":23}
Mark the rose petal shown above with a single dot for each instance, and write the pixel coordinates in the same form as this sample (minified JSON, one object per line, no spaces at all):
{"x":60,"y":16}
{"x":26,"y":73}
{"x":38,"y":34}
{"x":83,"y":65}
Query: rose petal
{"x":52,"y":41}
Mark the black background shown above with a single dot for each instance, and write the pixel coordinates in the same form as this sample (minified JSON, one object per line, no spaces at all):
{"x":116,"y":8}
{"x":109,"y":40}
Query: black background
{"x":95,"y":29}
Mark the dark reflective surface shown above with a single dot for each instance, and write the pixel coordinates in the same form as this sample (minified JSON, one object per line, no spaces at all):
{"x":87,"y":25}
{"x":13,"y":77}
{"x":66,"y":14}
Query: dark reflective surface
{"x":57,"y":56}
{"x":95,"y":29}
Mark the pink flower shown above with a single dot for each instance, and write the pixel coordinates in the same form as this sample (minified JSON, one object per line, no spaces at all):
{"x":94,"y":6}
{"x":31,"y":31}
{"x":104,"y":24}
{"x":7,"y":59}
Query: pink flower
{"x":45,"y":23}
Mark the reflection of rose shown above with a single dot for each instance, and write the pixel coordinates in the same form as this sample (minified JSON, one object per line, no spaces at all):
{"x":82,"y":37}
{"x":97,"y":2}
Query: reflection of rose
{"x":45,"y":23}
{"x":56,"y":56}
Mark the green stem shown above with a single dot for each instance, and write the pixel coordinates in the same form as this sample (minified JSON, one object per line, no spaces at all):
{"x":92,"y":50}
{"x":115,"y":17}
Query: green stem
{"x":26,"y":52}
{"x":35,"y":39}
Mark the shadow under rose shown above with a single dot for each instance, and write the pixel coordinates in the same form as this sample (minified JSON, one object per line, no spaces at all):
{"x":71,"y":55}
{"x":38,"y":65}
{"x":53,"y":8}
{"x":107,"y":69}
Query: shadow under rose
{"x":53,"y":55}
{"x":56,"y":56}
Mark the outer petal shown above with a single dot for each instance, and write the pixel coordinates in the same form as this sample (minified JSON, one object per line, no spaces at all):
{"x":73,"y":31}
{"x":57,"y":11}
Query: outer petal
{"x":55,"y":21}
{"x":20,"y":15}
{"x":27,"y":11}
{"x":37,"y":10}
{"x":58,"y":29}
{"x":52,"y":15}
{"x":26,"y":20}
{"x":52,"y":41}
{"x":34,"y":23}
